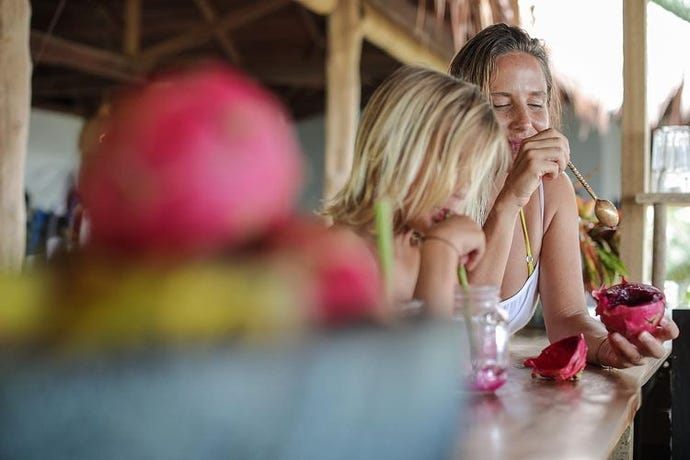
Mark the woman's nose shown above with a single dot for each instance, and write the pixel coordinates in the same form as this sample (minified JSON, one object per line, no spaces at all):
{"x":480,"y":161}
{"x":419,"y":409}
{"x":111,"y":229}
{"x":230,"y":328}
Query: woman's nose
{"x":520,"y":118}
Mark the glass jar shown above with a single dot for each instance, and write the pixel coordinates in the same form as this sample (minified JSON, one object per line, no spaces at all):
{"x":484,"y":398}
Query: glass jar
{"x":486,"y":324}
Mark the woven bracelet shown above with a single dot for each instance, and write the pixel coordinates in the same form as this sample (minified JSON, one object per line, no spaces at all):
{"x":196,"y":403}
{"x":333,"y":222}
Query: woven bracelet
{"x":443,"y":240}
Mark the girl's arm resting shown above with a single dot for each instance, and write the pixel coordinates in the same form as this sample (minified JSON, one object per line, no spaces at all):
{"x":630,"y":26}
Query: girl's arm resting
{"x":437,"y":276}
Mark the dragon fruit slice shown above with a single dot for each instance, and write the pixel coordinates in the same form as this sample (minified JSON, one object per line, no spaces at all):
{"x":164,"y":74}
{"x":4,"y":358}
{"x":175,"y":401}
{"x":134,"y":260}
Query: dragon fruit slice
{"x":562,"y":360}
{"x":630,"y":308}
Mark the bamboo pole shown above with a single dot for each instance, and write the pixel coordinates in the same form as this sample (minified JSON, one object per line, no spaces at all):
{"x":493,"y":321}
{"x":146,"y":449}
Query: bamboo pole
{"x":15,"y":103}
{"x":342,"y":92}
{"x":322,"y":7}
{"x":132,"y":34}
{"x":635,"y":137}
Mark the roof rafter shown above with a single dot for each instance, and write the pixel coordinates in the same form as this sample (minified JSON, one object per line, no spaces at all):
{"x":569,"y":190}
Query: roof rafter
{"x":200,"y":34}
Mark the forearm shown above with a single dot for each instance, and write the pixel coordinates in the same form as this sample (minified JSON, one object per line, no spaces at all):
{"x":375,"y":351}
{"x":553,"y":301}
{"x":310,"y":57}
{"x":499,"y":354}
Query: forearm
{"x":437,"y":277}
{"x":594,"y":332}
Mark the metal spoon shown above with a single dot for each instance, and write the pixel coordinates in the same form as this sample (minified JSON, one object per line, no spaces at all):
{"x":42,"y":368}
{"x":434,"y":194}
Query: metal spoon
{"x":605,"y":211}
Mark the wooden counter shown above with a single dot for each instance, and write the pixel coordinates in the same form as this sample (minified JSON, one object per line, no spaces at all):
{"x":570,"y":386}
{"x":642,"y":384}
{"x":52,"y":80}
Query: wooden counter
{"x":532,"y":418}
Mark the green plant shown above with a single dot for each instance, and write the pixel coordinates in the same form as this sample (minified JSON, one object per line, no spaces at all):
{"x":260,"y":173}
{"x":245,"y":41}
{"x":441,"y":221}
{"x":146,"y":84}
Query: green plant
{"x":599,"y":247}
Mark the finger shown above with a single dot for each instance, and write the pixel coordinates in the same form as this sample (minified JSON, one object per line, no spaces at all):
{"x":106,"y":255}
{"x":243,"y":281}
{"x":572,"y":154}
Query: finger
{"x":551,"y":169}
{"x":626,"y":349}
{"x":668,"y":329}
{"x":650,"y":346}
{"x":472,"y":259}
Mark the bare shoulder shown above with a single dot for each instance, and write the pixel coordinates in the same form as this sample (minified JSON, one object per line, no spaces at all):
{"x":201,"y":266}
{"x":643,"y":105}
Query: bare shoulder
{"x":559,"y":197}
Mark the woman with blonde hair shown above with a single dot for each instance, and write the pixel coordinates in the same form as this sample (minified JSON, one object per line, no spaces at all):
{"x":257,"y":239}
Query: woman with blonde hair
{"x":431,"y":145}
{"x":533,"y":249}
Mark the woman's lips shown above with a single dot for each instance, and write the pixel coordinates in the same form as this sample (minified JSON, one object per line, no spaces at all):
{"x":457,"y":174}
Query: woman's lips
{"x":515,"y":146}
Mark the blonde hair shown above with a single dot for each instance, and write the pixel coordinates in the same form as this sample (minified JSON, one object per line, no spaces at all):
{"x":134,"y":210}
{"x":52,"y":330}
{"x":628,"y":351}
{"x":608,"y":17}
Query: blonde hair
{"x":422,"y":134}
{"x":476,"y":60}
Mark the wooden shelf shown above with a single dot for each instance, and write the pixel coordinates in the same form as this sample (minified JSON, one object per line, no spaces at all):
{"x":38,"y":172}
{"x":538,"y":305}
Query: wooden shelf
{"x":672,"y":199}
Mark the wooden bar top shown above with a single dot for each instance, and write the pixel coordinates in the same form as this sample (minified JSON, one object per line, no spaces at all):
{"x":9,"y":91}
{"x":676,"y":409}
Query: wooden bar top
{"x":534,"y":418}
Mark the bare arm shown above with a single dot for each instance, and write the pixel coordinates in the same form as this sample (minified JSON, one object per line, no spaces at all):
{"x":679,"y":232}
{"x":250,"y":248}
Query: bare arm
{"x":457,"y":240}
{"x":543,"y":155}
{"x":561,"y":287}
{"x":562,"y":290}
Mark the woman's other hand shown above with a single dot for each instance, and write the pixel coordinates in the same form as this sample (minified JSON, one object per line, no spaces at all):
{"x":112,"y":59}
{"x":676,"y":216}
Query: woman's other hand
{"x":617,"y":351}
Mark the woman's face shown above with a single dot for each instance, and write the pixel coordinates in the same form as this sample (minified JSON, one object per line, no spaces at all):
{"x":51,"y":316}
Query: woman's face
{"x":519,"y":97}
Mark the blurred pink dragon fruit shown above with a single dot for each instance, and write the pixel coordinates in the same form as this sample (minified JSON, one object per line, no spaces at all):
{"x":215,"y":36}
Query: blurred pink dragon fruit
{"x":190,"y":163}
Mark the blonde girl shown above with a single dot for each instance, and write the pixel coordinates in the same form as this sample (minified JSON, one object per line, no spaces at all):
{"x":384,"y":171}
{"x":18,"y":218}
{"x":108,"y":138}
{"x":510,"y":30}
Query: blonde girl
{"x":430,"y":144}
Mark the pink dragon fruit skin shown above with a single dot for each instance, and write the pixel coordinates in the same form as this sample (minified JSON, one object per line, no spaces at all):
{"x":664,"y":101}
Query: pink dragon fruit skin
{"x":561,"y":360}
{"x":191,"y":162}
{"x":630,"y":308}
{"x":344,"y":283}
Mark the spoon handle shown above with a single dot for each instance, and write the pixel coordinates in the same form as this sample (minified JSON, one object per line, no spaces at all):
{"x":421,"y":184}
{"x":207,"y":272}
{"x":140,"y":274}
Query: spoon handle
{"x":582,"y":180}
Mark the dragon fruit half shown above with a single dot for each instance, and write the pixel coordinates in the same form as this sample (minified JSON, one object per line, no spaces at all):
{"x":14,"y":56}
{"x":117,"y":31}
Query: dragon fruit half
{"x":562,"y":360}
{"x":630,"y":308}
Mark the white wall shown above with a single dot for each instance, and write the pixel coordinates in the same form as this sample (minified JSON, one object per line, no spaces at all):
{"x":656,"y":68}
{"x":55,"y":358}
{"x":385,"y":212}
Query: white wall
{"x":52,"y":155}
{"x":597,"y":155}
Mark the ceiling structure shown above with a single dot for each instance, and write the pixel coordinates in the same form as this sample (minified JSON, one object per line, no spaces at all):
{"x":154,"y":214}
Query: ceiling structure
{"x":83,"y":51}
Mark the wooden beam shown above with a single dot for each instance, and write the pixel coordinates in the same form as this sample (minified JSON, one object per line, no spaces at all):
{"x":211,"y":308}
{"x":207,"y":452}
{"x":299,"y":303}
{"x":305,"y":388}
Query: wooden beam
{"x":322,"y":7}
{"x":342,"y":92}
{"x":211,"y":16}
{"x":399,"y":41}
{"x":200,"y":34}
{"x":391,"y":26}
{"x":634,"y":138}
{"x":48,"y":49}
{"x":132,"y":34}
{"x":15,"y":103}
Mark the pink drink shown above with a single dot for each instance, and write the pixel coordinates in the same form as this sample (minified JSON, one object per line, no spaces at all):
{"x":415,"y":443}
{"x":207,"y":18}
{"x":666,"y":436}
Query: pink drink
{"x":488,"y":378}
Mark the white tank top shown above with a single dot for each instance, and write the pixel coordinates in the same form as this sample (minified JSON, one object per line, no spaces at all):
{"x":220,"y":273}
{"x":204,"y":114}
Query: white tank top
{"x":521,"y":306}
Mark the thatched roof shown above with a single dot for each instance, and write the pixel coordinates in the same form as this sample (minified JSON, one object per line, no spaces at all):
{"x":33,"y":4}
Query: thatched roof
{"x":83,"y":51}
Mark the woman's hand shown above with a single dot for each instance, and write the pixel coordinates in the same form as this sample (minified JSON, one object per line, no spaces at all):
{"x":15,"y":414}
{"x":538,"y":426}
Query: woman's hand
{"x":617,"y":351}
{"x":544,"y":155}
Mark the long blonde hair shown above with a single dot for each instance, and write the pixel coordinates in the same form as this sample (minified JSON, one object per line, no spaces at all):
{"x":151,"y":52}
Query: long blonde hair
{"x":421,"y":135}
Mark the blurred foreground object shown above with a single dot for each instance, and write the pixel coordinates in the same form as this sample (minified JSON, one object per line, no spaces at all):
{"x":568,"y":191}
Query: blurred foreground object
{"x":193,"y":161}
{"x":206,"y":318}
{"x":351,"y":394}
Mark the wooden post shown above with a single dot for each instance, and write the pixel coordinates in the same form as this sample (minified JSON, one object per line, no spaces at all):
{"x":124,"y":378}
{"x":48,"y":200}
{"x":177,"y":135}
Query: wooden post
{"x":15,"y":104}
{"x":659,"y":246}
{"x":343,"y":92}
{"x":635,"y":137}
{"x":132,"y":34}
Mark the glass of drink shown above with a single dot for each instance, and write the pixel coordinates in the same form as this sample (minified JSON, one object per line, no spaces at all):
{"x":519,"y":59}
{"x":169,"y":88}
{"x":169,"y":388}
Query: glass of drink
{"x":486,"y":324}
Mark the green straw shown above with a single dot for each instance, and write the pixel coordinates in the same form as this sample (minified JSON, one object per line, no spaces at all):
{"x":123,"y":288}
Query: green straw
{"x":462,"y":276}
{"x":384,"y":242}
